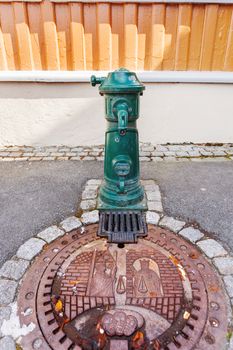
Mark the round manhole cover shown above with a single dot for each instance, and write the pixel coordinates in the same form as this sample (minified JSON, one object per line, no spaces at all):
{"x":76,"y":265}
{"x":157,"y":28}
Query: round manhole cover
{"x":84,"y":293}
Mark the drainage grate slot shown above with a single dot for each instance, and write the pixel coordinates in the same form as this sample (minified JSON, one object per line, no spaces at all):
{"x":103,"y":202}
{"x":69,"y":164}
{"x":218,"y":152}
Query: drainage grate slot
{"x":122,"y":226}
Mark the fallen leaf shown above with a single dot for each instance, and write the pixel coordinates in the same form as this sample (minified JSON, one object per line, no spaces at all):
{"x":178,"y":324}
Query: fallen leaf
{"x":156,"y":345}
{"x":194,"y":255}
{"x":213,"y":288}
{"x":137,"y":340}
{"x":174,"y":260}
{"x":74,"y":282}
{"x":58,"y":306}
{"x":64,"y":322}
{"x":186,"y":315}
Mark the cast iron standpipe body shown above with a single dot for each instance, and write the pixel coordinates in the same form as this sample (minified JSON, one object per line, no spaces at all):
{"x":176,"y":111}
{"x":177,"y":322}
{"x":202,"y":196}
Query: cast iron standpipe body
{"x":121,"y":188}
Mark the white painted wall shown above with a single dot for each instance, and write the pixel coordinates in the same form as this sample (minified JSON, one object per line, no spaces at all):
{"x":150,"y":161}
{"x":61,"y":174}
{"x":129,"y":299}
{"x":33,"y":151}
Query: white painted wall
{"x":73,"y":113}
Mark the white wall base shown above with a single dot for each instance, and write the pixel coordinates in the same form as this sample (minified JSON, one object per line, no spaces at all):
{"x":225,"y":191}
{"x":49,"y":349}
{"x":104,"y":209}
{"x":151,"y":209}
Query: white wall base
{"x":72,"y":114}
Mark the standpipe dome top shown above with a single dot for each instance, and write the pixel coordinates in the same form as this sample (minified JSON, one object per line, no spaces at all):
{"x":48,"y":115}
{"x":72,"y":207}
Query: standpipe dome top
{"x":119,"y":81}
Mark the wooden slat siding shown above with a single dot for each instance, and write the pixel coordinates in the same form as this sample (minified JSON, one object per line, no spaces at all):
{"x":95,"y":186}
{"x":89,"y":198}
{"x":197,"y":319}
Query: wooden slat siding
{"x":144,"y":33}
{"x":78,"y":52}
{"x":62,"y":13}
{"x":197,"y":23}
{"x":171,"y":19}
{"x":221,"y":35}
{"x":183,"y":37}
{"x":3,"y":58}
{"x":90,"y":36}
{"x":9,"y":36}
{"x":51,"y":50}
{"x":104,"y":36}
{"x":34,"y":22}
{"x":23,"y":36}
{"x":117,"y":36}
{"x":157,"y":42}
{"x":211,"y":16}
{"x":228,"y":62}
{"x":130,"y":36}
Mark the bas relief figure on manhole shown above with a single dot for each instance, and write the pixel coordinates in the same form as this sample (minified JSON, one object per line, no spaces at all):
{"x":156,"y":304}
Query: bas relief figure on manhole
{"x":146,"y":280}
{"x":102,"y":278}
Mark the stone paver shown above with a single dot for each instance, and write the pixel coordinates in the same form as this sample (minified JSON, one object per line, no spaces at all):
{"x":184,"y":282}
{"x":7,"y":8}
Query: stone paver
{"x":88,"y":204}
{"x":70,"y":223}
{"x":171,"y":223}
{"x":212,"y":248}
{"x":153,"y":195}
{"x":228,"y":280}
{"x":148,"y":152}
{"x":50,"y":234}
{"x":224,"y":265}
{"x":91,"y":217}
{"x":94,"y":182}
{"x":30,"y":248}
{"x":14,"y":269}
{"x":5,"y":312}
{"x":7,"y":291}
{"x":155,"y":205}
{"x":7,"y":343}
{"x":192,"y":234}
{"x":152,"y":218}
{"x":89,"y":193}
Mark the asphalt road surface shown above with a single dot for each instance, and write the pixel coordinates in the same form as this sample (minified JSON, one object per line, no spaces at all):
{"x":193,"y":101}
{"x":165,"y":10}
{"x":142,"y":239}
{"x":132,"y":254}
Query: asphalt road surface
{"x":36,"y":195}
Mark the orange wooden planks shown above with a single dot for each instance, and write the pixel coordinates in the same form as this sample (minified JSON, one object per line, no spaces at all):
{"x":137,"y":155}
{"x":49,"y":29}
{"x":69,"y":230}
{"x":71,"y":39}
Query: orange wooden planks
{"x":144,"y":36}
{"x":36,"y":35}
{"x":183,"y":36}
{"x":3,"y":57}
{"x":171,"y":20}
{"x":104,"y":36}
{"x":130,"y":36}
{"x":117,"y":16}
{"x":208,"y":37}
{"x":228,"y":59}
{"x":78,"y":53}
{"x":195,"y":44}
{"x":221,"y":35}
{"x":9,"y":36}
{"x":157,"y":38}
{"x":90,"y":29}
{"x":51,"y":50}
{"x":23,"y":36}
{"x":62,"y":13}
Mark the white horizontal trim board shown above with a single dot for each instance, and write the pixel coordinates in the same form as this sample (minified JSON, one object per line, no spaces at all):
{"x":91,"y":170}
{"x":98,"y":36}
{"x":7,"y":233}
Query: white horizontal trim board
{"x":144,"y":76}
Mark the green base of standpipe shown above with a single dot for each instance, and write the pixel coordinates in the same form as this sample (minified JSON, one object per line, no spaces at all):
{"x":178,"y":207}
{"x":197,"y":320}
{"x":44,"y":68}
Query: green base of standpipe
{"x":141,"y":206}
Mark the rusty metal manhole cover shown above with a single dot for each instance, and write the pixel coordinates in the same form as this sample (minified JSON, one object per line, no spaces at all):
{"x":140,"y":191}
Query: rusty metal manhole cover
{"x":84,"y":293}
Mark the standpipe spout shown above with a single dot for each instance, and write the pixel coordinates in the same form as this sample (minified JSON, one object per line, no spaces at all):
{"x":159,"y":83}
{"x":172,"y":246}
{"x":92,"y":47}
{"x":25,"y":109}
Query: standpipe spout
{"x":95,"y":80}
{"x":122,"y":115}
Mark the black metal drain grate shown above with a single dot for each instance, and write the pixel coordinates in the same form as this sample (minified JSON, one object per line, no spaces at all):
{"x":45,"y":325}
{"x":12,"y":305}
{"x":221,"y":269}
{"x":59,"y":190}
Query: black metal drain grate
{"x":122,"y":226}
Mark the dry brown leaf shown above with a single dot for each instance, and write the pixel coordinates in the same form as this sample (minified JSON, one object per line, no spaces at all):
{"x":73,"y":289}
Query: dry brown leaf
{"x":58,"y":306}
{"x":186,"y":315}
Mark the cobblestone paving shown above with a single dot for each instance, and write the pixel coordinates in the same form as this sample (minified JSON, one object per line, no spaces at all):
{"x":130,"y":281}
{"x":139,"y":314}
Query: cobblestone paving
{"x":148,"y":152}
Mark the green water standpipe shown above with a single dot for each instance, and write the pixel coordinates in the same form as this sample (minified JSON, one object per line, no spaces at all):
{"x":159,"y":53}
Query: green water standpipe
{"x":121,"y":188}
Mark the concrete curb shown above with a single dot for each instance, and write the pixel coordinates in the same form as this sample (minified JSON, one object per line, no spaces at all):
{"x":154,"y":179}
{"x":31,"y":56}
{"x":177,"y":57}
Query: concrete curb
{"x":13,"y":270}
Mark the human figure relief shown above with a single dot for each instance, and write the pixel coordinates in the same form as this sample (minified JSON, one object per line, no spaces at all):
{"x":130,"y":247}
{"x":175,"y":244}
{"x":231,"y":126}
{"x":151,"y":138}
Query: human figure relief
{"x":102,"y":283}
{"x":146,"y":282}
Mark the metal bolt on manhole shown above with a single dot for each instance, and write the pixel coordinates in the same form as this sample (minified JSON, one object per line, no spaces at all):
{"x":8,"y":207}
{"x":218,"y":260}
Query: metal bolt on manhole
{"x":157,"y":294}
